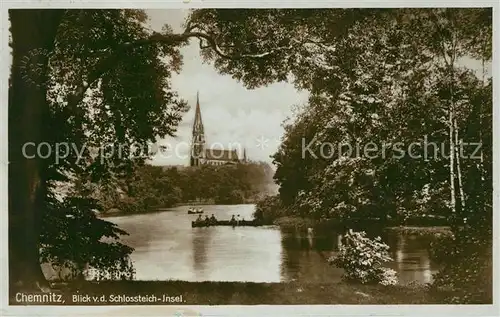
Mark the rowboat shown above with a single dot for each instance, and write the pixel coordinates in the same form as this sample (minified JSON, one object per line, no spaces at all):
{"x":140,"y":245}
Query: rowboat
{"x":246,"y":223}
{"x":194,"y":211}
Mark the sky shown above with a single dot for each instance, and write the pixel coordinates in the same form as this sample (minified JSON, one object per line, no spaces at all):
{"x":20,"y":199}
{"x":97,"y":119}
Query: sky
{"x":232,"y":115}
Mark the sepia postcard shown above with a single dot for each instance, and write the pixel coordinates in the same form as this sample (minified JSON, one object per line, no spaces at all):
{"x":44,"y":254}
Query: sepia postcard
{"x":277,"y":158}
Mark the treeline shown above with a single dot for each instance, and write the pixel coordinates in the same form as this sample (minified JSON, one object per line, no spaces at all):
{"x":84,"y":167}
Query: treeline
{"x":152,"y":187}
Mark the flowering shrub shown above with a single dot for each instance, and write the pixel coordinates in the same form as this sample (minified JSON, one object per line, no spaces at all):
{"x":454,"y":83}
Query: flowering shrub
{"x":362,"y":259}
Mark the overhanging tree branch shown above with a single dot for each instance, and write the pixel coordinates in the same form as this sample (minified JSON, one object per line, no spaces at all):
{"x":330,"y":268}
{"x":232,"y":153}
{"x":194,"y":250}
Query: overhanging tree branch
{"x":107,"y":63}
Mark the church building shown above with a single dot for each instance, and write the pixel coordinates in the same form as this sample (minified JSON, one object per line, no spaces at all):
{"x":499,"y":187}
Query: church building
{"x":200,"y":155}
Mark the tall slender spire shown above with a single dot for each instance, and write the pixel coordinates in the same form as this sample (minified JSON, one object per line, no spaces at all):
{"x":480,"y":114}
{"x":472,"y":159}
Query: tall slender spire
{"x":198,"y":144}
{"x":198,"y":123}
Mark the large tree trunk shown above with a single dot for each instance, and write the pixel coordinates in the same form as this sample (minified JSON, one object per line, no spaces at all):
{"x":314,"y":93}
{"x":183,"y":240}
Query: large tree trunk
{"x":33,"y":36}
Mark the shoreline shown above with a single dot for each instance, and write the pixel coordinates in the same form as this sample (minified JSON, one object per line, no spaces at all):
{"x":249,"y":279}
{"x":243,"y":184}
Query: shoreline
{"x":118,"y":213}
{"x":298,"y":223}
{"x":291,"y":222}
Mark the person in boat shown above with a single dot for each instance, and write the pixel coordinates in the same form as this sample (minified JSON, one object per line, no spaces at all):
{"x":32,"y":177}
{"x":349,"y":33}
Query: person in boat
{"x":238,"y":219}
{"x":213,"y":220}
{"x":207,"y":221}
{"x":232,"y":221}
{"x":199,"y":219}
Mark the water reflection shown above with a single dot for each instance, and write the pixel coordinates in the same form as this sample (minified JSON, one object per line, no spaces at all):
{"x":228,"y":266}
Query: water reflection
{"x":166,"y":247}
{"x":201,"y":240}
{"x":411,"y":259}
{"x":305,"y":255}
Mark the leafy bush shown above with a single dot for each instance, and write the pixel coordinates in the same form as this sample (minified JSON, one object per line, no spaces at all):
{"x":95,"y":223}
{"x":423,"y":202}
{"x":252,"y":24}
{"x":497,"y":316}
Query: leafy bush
{"x":362,"y":259}
{"x":269,"y":209}
{"x":466,"y":275}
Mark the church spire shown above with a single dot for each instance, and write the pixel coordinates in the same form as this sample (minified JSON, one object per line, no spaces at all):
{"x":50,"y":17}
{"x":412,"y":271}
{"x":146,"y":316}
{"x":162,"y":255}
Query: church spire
{"x":198,"y":143}
{"x":198,"y":123}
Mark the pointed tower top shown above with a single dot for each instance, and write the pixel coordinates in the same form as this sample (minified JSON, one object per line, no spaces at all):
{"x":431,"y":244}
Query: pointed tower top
{"x":198,"y":111}
{"x":198,"y":102}
{"x":244,"y":155}
{"x":198,"y":123}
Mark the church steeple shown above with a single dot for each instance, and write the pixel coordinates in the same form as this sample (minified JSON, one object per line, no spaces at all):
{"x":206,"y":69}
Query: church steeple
{"x":198,"y":123}
{"x":198,"y":140}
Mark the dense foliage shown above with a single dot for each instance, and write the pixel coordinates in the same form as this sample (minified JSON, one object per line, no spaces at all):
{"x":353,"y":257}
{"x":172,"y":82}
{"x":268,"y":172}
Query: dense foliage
{"x":466,"y":258}
{"x":393,"y":84}
{"x":269,"y":209}
{"x":75,"y":242}
{"x":151,"y":187}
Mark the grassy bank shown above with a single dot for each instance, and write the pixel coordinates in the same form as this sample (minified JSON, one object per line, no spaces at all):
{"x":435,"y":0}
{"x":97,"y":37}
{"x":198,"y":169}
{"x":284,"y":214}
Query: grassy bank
{"x":240,"y":293}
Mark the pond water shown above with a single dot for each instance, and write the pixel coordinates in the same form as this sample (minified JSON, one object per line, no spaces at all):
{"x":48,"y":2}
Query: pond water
{"x":167,"y":248}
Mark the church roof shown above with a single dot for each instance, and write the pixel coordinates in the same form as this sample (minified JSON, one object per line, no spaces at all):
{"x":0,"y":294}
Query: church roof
{"x":221,"y":155}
